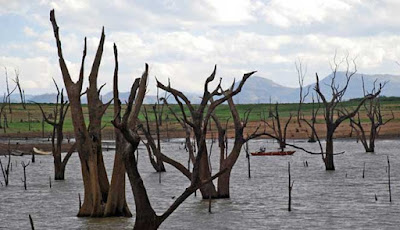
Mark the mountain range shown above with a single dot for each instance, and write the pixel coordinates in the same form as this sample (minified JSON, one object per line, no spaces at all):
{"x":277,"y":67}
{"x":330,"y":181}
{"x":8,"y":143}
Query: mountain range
{"x":261,"y":90}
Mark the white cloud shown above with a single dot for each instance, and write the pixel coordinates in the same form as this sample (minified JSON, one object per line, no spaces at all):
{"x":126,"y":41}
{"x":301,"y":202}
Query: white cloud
{"x":294,"y":13}
{"x":230,"y":11}
{"x":182,"y":40}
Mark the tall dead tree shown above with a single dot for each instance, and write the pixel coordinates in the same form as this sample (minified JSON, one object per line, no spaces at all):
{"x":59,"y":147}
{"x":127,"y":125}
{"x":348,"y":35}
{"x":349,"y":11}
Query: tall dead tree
{"x":97,"y":189}
{"x":373,"y":112}
{"x":333,"y":115}
{"x":199,"y":118}
{"x":57,"y":136}
{"x":146,"y":217}
{"x":228,"y":160}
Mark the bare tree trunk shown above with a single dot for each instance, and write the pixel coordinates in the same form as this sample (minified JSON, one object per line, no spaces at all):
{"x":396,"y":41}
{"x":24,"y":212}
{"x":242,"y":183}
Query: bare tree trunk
{"x":116,"y":200}
{"x":329,"y":164}
{"x":208,"y":190}
{"x":372,"y":138}
{"x":224,"y":184}
{"x":88,"y":138}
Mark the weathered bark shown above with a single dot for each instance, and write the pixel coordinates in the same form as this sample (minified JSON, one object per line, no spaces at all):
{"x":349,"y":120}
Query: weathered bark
{"x":88,"y":139}
{"x":329,"y":164}
{"x":60,"y":165}
{"x":116,"y":201}
{"x":229,"y":161}
{"x":199,"y":119}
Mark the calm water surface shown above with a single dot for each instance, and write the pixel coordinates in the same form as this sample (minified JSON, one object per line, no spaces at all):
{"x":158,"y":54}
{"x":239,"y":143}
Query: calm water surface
{"x":321,"y":200}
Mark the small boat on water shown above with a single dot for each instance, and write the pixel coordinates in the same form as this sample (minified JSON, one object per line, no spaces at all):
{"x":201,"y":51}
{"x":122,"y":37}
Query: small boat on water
{"x":278,"y":153}
{"x":41,"y":152}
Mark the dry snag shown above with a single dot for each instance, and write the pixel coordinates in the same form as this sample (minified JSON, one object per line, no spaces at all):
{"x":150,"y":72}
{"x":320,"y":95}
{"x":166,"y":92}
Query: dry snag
{"x":334,"y":115}
{"x":100,"y":198}
{"x":198,"y":118}
{"x":58,"y":115}
{"x":374,"y":114}
{"x":6,"y":169}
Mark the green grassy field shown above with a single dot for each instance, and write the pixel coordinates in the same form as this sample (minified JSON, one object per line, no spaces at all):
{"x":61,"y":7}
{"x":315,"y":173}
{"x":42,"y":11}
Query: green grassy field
{"x":29,"y":120}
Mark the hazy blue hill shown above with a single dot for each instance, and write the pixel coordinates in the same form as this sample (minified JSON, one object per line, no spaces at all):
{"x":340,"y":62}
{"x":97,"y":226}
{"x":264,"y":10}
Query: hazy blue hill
{"x":260,"y":90}
{"x":392,"y":87}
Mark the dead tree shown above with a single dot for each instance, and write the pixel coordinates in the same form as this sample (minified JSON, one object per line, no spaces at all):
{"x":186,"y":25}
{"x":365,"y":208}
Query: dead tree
{"x":6,"y":101}
{"x":313,"y":120}
{"x":24,"y":168}
{"x":228,"y":160}
{"x":332,"y":114}
{"x":189,"y":146}
{"x":146,"y":217}
{"x":199,"y":118}
{"x":57,"y":136}
{"x":301,"y":74}
{"x":97,"y":189}
{"x":21,"y":91}
{"x":280,"y":132}
{"x":6,"y":169}
{"x":374,"y":114}
{"x":155,"y":160}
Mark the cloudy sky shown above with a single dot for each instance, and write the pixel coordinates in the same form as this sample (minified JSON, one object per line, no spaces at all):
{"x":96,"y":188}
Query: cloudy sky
{"x":182,"y":39}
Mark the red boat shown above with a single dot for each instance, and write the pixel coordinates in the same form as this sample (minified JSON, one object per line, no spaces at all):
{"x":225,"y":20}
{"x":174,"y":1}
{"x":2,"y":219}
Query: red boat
{"x":279,"y":153}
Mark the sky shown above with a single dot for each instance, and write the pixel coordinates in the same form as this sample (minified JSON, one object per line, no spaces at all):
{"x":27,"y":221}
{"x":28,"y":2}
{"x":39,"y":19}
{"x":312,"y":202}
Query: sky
{"x":182,"y":40}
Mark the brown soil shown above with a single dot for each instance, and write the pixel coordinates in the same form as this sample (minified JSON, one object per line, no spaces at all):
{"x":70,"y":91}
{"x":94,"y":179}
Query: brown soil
{"x":391,"y":130}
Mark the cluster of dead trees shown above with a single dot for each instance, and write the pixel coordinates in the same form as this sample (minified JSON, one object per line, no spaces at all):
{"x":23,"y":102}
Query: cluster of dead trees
{"x":107,"y":198}
{"x":104,"y":198}
{"x":6,"y":110}
{"x":334,"y":114}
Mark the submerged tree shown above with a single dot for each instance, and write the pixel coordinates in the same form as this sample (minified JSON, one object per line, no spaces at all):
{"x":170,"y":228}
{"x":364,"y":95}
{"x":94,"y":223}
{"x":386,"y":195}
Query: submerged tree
{"x":198,"y":119}
{"x":6,"y":101}
{"x":97,"y":189}
{"x":280,"y":132}
{"x":151,"y":145}
{"x":228,"y":160}
{"x":376,"y":121}
{"x":100,"y":198}
{"x":334,"y":115}
{"x":57,"y":136}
